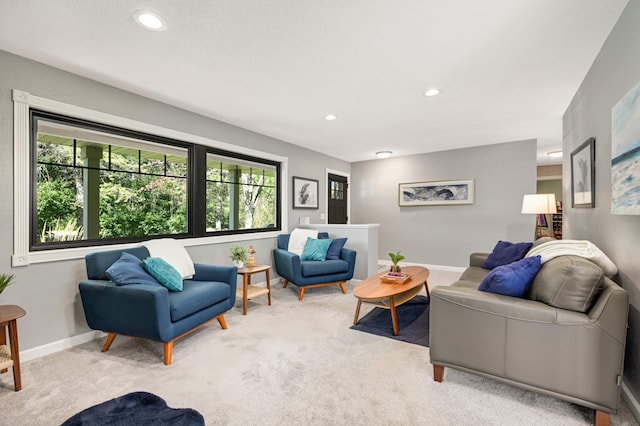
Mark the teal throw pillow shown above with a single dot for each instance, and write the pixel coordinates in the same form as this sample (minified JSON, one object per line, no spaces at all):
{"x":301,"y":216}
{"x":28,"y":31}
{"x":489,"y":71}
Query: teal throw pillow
{"x":162,"y":271}
{"x":128,"y":270}
{"x":316,"y":249}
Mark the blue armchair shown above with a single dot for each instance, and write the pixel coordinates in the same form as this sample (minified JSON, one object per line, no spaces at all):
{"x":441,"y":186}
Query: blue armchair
{"x":308,"y":273}
{"x":152,"y":312}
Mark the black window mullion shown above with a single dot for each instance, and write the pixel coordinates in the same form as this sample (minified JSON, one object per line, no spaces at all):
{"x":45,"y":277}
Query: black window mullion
{"x":197,"y":193}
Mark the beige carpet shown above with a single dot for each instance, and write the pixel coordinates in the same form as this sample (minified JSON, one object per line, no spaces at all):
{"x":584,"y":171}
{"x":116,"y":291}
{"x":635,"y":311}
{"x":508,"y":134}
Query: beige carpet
{"x":294,"y":363}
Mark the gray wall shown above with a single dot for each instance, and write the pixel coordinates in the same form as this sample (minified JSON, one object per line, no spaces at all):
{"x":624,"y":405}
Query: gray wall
{"x":48,"y":291}
{"x":446,"y":235}
{"x":614,"y":72}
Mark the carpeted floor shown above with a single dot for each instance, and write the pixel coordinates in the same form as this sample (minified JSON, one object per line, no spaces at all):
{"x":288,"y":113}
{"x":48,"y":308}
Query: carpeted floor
{"x":294,"y":363}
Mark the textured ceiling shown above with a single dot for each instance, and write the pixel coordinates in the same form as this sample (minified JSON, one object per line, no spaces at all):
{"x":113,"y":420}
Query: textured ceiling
{"x":507,"y":69}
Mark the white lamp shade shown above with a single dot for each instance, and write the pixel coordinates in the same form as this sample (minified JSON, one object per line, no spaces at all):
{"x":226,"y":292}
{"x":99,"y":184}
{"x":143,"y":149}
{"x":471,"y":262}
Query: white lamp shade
{"x":539,"y":204}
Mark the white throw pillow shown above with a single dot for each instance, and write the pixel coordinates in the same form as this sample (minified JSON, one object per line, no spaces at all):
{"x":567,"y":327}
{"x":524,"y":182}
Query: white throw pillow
{"x":174,"y":253}
{"x":298,"y":239}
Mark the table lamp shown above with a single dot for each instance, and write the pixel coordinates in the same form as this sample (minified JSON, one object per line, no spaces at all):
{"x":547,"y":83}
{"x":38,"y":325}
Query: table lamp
{"x":539,"y":204}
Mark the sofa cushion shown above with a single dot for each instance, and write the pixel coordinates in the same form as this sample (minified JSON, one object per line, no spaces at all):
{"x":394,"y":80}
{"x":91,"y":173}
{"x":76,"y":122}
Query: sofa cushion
{"x":128,"y":270}
{"x":174,"y":253}
{"x":568,"y":282}
{"x":196,"y":295}
{"x":298,"y":239}
{"x":505,"y":253}
{"x":335,"y":249}
{"x":311,"y":268}
{"x":512,"y":279}
{"x":315,"y":249}
{"x":162,"y":271}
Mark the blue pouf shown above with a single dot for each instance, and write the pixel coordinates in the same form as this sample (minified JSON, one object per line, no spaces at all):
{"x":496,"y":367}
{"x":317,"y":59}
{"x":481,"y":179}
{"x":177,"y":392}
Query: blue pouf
{"x":137,"y":408}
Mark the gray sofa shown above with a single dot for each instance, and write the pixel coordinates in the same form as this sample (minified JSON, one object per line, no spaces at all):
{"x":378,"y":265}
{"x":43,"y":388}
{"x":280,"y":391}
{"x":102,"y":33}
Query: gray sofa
{"x":565,"y":338}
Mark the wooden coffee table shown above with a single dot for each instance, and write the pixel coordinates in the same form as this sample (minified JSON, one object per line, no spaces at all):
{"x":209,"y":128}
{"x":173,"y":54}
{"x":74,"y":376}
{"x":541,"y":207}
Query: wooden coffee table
{"x":389,"y":295}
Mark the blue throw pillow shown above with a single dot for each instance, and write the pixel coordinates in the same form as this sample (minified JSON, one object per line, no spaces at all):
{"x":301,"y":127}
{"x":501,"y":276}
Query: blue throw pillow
{"x":512,"y":279}
{"x":335,"y":249}
{"x":128,"y":270}
{"x":162,"y":271}
{"x":505,"y":252}
{"x":316,"y":249}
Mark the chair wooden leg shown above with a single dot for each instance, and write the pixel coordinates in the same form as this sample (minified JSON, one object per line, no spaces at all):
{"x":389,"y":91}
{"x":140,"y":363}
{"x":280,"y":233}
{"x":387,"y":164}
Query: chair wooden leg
{"x":168,"y":352}
{"x":285,"y":284}
{"x":222,"y":322}
{"x":108,"y":342}
{"x":301,"y":293}
{"x":601,"y":419}
{"x":438,"y":373}
{"x":341,"y":284}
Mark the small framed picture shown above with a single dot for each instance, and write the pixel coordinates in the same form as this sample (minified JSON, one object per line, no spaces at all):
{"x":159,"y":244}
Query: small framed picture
{"x":583,"y":175}
{"x":305,"y":193}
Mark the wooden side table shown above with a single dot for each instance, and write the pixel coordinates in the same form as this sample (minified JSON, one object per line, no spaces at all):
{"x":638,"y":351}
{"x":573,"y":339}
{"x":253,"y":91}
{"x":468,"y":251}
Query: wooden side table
{"x":10,"y":358}
{"x":249,"y":291}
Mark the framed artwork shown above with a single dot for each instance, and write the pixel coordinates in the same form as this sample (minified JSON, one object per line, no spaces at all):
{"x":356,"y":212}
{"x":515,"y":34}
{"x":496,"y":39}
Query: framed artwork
{"x":305,"y":193}
{"x":625,"y":154}
{"x":433,"y":193}
{"x":583,"y":175}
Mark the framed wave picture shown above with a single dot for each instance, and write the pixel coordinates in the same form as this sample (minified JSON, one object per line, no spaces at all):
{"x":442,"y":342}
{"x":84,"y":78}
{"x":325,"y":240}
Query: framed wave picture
{"x":625,"y":154}
{"x":432,"y":193}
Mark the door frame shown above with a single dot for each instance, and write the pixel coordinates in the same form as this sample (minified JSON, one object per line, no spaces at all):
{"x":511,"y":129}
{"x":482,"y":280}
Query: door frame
{"x":326,"y":193}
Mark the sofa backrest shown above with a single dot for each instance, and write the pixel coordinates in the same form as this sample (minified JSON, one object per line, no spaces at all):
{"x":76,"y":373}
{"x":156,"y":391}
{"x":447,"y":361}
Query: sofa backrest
{"x":568,"y":282}
{"x":283,"y":239}
{"x":98,"y":263}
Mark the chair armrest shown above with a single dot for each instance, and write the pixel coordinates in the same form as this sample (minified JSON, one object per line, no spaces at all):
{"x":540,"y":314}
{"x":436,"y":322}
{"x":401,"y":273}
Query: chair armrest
{"x":350,"y":256}
{"x":478,"y":259}
{"x":287,"y":264}
{"x":223,"y":273}
{"x":135,"y":310}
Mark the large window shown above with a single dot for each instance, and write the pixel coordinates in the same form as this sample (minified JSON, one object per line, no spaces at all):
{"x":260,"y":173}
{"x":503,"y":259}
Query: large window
{"x":95,"y":183}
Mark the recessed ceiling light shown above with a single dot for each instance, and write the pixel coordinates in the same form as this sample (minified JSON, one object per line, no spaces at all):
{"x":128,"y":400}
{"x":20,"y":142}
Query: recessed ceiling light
{"x":431,"y":92}
{"x":554,"y":154}
{"x":149,"y":20}
{"x":330,"y":117}
{"x":384,"y":154}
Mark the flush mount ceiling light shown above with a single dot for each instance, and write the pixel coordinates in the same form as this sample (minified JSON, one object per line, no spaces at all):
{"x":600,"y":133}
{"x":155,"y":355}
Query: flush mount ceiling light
{"x":149,"y":20}
{"x":330,"y":117}
{"x":383,"y":154}
{"x":554,"y":154}
{"x":431,"y":92}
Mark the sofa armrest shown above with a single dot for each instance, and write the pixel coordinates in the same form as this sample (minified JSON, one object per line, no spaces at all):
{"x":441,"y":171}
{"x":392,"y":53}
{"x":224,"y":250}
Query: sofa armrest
{"x":136,"y":310}
{"x":610,"y":311}
{"x":492,"y":304}
{"x":478,"y":259}
{"x":349,"y":256}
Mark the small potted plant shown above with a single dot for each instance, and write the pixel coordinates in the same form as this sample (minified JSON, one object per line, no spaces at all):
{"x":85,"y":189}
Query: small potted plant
{"x":5,"y":281}
{"x":238,"y":255}
{"x":395,"y":259}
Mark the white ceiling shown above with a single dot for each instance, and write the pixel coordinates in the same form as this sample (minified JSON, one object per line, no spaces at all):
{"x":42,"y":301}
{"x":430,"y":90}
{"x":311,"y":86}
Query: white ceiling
{"x":507,"y":69}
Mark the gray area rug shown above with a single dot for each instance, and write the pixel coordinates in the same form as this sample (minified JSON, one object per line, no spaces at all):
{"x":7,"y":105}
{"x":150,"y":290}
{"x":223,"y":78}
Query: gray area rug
{"x":413,"y":322}
{"x":292,"y":363}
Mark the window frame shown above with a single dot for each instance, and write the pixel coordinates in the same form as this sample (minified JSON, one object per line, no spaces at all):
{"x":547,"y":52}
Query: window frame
{"x":25,"y":253}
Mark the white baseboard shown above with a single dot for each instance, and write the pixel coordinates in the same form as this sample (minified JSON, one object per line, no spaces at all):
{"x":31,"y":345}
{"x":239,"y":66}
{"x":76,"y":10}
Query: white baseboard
{"x":60,"y":345}
{"x":428,"y":266}
{"x":631,"y":401}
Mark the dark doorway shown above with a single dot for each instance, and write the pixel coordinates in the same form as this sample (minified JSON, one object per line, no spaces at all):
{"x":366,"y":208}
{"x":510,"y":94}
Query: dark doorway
{"x":337,"y":208}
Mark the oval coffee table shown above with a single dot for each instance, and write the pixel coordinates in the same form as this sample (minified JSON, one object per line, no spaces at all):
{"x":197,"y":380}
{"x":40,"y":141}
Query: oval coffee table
{"x":390,"y":295}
